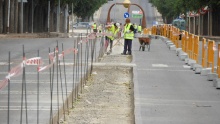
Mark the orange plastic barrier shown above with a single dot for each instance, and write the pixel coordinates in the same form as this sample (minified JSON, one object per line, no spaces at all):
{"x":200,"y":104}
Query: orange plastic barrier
{"x":165,"y":30}
{"x":183,"y":44}
{"x":196,"y":48}
{"x":218,"y":65}
{"x":154,"y":30}
{"x":161,"y":30}
{"x":210,"y":55}
{"x":146,"y":31}
{"x":204,"y":49}
{"x":186,"y":41}
{"x":190,"y":45}
{"x":177,"y":33}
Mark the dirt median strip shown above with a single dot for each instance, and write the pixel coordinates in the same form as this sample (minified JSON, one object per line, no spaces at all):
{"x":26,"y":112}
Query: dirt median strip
{"x":107,"y":97}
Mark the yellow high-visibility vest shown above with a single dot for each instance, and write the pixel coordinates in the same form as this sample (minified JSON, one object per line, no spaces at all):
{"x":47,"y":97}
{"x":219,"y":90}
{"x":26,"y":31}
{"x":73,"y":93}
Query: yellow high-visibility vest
{"x":94,"y":26}
{"x":139,"y":28}
{"x":114,"y":31}
{"x":130,"y":34}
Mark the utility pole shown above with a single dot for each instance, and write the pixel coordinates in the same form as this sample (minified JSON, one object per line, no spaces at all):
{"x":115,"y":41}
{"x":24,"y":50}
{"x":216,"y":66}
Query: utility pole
{"x":58,"y":17}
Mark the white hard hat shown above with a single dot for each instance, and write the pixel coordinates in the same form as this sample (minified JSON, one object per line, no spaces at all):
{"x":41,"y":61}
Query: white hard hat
{"x":118,"y":25}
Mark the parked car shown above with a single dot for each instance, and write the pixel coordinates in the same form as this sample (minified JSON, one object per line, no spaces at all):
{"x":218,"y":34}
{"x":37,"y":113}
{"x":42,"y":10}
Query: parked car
{"x":82,"y":25}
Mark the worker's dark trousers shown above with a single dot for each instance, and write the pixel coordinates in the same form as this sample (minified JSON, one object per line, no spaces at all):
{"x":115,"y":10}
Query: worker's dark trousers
{"x":109,"y":41}
{"x":127,"y":46}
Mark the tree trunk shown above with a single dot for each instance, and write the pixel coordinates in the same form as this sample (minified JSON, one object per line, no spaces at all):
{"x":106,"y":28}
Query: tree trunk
{"x":41,"y":20}
{"x":61,"y":19}
{"x":12,"y":17}
{"x":5,"y":11}
{"x":65,"y":18}
{"x":1,"y":16}
{"x":16,"y":16}
{"x":53,"y":19}
{"x":27,"y":13}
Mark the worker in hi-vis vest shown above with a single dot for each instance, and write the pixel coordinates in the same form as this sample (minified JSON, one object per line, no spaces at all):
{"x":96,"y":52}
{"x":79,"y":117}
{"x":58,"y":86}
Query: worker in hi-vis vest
{"x":128,"y":36}
{"x":139,"y":29}
{"x":94,"y":27}
{"x":113,"y":29}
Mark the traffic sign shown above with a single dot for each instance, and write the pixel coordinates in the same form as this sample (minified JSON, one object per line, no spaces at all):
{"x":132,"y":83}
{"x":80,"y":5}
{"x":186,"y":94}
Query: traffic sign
{"x":137,"y":14}
{"x":126,"y":15}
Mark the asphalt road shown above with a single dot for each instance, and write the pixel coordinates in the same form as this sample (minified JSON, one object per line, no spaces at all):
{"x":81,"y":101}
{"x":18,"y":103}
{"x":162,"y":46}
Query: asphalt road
{"x":31,"y":47}
{"x":60,"y":89}
{"x":168,"y":92}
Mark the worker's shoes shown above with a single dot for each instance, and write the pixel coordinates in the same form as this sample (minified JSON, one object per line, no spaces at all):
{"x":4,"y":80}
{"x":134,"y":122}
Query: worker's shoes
{"x":123,"y":53}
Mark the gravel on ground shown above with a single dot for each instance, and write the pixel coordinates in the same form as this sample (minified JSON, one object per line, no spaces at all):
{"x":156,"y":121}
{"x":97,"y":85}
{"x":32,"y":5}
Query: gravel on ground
{"x":107,"y":97}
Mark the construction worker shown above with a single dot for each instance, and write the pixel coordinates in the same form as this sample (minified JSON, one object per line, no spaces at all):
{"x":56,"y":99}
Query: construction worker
{"x":135,"y":28}
{"x":139,"y":29}
{"x":113,"y":29}
{"x":128,"y":36}
{"x":100,"y":28}
{"x":94,"y":27}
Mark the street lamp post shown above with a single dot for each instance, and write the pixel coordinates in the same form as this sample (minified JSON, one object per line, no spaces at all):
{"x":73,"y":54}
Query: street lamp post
{"x":127,"y":4}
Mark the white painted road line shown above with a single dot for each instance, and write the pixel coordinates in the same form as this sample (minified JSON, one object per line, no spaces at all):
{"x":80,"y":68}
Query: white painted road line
{"x":159,"y":65}
{"x":164,"y":70}
{"x":5,"y":63}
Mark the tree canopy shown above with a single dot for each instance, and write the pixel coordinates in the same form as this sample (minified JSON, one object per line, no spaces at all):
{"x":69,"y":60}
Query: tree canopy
{"x":82,"y":8}
{"x":85,"y":8}
{"x":172,"y":8}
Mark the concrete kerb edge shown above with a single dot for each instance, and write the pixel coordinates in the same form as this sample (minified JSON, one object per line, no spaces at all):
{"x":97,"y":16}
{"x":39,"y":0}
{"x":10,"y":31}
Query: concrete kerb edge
{"x":216,"y":83}
{"x":182,"y":55}
{"x":211,"y":76}
{"x":172,"y":47}
{"x":205,"y":71}
{"x":178,"y":50}
{"x":137,"y":108}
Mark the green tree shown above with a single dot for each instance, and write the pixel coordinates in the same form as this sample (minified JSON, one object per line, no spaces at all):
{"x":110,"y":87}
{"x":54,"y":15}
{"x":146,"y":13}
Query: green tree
{"x":86,"y":8}
{"x":171,"y":8}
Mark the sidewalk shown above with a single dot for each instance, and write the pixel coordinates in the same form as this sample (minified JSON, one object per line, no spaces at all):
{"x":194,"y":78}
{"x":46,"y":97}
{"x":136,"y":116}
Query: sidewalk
{"x":166,"y":91}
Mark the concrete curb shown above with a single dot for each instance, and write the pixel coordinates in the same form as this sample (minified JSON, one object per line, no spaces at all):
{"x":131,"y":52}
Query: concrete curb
{"x":137,"y":107}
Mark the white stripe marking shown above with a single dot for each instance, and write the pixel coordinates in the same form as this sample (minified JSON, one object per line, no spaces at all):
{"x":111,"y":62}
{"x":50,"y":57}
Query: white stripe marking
{"x":159,"y":65}
{"x":186,"y":66}
{"x":5,"y":63}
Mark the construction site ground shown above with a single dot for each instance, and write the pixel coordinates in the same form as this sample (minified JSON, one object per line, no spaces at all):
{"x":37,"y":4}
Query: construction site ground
{"x":107,"y":97}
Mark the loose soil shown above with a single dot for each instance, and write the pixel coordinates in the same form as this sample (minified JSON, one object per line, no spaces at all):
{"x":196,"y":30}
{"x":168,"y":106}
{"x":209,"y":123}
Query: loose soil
{"x":107,"y":97}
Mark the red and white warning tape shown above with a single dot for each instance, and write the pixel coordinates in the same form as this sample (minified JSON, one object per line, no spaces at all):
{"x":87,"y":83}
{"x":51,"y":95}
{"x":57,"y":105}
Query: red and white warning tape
{"x":38,"y":61}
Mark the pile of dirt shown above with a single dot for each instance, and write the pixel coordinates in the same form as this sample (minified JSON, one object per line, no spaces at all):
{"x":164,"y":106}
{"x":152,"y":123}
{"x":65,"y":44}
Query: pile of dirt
{"x":107,"y":97}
